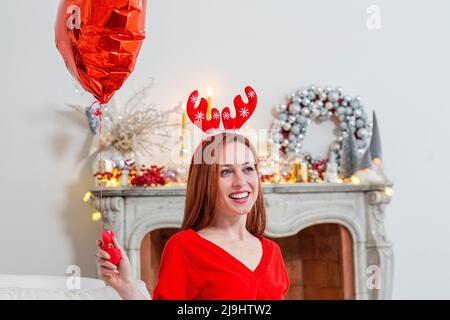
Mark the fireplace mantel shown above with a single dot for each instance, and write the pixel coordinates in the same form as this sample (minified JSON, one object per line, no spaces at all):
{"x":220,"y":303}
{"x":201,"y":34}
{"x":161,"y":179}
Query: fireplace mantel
{"x":134,"y":212}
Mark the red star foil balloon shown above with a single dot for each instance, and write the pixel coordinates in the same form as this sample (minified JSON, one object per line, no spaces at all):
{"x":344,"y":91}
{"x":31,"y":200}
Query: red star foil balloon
{"x":108,"y":246}
{"x":100,"y":41}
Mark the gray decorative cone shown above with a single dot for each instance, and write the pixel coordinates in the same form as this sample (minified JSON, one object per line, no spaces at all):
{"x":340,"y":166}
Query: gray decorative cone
{"x":366,"y":161}
{"x":375,"y":141}
{"x":349,"y":158}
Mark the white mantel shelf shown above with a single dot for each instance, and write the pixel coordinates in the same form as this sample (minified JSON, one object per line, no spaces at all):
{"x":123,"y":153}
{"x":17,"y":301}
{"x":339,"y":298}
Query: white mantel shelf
{"x":267,"y":188}
{"x":133,"y":212}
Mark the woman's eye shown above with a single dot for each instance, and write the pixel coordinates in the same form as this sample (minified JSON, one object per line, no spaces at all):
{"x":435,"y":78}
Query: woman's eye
{"x":249,"y":169}
{"x":225,"y":172}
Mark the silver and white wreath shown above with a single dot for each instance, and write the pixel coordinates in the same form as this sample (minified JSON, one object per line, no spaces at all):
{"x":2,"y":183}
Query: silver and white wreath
{"x":320,"y":104}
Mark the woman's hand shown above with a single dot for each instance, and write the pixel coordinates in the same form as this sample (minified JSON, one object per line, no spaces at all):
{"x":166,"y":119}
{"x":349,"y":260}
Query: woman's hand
{"x":119,"y":278}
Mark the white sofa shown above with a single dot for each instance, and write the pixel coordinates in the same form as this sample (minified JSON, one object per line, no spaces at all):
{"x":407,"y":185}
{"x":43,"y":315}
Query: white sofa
{"x":38,"y":287}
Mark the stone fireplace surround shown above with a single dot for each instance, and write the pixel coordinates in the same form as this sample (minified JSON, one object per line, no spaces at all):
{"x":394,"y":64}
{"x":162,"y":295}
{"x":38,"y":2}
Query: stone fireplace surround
{"x":292,"y":209}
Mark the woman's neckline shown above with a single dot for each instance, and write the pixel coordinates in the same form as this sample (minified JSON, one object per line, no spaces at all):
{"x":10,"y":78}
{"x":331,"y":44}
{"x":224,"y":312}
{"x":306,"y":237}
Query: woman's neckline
{"x":222,"y":250}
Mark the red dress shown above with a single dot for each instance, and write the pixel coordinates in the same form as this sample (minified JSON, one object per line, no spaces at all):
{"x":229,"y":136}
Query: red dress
{"x":194,"y":268}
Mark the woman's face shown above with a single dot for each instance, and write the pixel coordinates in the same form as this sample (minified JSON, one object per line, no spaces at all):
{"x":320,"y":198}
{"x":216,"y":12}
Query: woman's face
{"x":238,"y":180}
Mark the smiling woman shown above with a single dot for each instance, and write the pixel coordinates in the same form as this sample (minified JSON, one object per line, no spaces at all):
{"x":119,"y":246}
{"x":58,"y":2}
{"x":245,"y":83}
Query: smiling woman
{"x":221,"y":252}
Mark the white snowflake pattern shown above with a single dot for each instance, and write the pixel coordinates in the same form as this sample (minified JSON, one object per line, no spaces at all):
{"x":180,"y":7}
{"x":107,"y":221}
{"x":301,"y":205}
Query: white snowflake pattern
{"x":251,"y":94}
{"x":193,"y":99}
{"x":244,"y":112}
{"x":216,"y":115}
{"x":199,"y":116}
{"x":226,"y":115}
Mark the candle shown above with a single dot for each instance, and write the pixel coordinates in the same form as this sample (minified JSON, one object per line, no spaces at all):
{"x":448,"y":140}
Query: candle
{"x":183,"y":128}
{"x":208,"y":113}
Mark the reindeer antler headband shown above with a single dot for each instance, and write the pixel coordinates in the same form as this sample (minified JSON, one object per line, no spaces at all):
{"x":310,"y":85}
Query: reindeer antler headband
{"x":243,"y":112}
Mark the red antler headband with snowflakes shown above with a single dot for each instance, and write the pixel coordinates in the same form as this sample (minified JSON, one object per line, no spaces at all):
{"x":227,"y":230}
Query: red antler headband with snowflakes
{"x":243,"y":112}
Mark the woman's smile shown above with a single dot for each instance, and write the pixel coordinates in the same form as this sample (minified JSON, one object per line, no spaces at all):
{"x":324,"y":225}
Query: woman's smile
{"x":240,"y":197}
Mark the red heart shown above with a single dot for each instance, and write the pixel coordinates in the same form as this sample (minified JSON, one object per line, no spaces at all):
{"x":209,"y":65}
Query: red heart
{"x":108,"y":246}
{"x":100,"y":41}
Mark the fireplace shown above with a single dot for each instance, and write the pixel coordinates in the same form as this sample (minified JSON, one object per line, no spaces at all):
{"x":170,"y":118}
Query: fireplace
{"x":319,"y":260}
{"x":331,"y":235}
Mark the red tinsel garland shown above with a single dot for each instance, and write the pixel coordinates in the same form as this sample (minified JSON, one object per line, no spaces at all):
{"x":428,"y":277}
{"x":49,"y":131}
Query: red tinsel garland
{"x":149,"y":177}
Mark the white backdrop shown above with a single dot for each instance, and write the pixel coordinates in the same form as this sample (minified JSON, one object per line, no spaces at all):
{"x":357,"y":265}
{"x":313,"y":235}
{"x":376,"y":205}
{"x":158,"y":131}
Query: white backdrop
{"x":400,"y":70}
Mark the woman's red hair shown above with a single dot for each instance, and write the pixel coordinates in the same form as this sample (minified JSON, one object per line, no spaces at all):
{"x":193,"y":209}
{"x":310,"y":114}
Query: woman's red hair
{"x":202,"y":185}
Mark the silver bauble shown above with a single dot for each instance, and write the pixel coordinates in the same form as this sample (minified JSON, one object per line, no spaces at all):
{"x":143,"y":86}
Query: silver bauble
{"x":362,"y":133}
{"x":329,"y":105}
{"x":291,"y":146}
{"x":343,"y":125}
{"x":305,"y":111}
{"x":295,"y":129}
{"x":354,"y":103}
{"x":294,"y":108}
{"x":357,"y":112}
{"x":292,"y":118}
{"x":360,"y":123}
{"x":348,"y":111}
{"x":283,"y":116}
{"x":286,"y":126}
{"x":285,"y":143}
{"x":296,"y":99}
{"x":340,"y":111}
{"x":333,"y":96}
{"x":316,"y":113}
{"x":301,"y":119}
{"x":292,"y":137}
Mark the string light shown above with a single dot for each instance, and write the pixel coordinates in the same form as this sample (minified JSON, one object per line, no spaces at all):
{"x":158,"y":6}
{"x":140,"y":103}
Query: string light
{"x":355,"y":180}
{"x":389,"y":191}
{"x":88,"y":196}
{"x":96,"y":216}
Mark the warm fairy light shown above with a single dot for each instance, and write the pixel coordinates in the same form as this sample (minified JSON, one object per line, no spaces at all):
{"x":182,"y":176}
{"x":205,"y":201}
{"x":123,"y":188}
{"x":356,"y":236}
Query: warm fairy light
{"x":376,"y":161}
{"x":389,"y":191}
{"x":355,"y":180}
{"x":112,"y":183}
{"x":88,"y":196}
{"x":339,"y":180}
{"x":96,"y":216}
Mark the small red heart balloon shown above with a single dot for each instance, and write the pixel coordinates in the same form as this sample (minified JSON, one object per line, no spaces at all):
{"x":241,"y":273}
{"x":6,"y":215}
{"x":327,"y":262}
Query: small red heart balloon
{"x":100,"y":41}
{"x":108,"y":246}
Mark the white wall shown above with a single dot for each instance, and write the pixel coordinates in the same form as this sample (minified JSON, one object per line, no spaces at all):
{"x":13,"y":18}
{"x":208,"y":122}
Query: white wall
{"x":401,"y":71}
